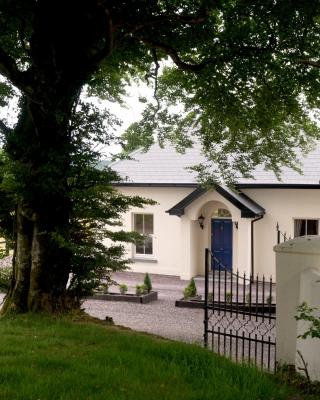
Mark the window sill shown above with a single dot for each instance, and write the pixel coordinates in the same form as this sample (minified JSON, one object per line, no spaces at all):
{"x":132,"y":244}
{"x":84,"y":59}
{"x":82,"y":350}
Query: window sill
{"x":146,"y":260}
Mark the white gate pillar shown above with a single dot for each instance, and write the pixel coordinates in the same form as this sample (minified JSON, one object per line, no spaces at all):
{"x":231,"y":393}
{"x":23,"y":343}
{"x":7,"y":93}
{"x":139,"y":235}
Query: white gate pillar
{"x":297,"y":273}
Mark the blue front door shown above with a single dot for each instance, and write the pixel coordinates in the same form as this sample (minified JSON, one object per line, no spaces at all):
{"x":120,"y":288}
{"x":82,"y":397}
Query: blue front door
{"x":221,"y":242}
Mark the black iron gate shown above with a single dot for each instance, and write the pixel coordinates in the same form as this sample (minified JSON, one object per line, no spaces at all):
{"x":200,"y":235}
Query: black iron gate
{"x":239,"y":315}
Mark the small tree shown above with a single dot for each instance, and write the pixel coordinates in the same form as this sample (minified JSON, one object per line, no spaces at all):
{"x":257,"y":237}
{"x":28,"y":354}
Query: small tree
{"x":190,"y":290}
{"x":123,"y":288}
{"x":147,"y":282}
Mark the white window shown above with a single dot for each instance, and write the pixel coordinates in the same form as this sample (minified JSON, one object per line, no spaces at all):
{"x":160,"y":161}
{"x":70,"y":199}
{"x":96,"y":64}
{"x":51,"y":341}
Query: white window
{"x":143,"y":223}
{"x":306,"y":227}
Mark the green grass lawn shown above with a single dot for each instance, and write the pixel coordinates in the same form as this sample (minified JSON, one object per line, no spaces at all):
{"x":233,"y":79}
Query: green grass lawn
{"x":43,"y":358}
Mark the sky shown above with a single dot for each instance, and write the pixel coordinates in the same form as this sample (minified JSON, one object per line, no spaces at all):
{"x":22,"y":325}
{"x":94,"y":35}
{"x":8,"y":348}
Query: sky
{"x":129,"y":114}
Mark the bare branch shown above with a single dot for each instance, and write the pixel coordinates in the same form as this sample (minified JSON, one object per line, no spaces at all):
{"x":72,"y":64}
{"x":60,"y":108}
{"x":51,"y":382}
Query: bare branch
{"x":310,"y":63}
{"x":305,"y":367}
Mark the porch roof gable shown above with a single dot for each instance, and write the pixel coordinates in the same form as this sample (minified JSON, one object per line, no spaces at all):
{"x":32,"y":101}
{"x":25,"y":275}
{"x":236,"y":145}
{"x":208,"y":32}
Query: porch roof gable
{"x":248,"y":207}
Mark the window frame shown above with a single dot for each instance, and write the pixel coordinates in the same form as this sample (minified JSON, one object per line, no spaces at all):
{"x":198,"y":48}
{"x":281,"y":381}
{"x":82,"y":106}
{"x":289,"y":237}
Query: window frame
{"x":151,"y":235}
{"x":306,"y":220}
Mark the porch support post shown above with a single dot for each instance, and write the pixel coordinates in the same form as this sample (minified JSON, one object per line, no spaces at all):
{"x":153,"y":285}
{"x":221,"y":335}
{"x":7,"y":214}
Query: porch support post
{"x":189,"y":245}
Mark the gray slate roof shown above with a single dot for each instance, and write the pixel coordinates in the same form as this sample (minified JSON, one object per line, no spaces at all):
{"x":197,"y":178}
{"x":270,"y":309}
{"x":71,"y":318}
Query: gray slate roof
{"x":166,"y":166}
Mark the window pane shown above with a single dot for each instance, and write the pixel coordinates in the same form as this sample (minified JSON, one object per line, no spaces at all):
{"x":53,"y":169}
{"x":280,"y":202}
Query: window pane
{"x":148,"y":245}
{"x":138,"y":223}
{"x":148,"y":224}
{"x":312,"y":227}
{"x":299,"y":227}
{"x":143,"y":223}
{"x":140,"y":248}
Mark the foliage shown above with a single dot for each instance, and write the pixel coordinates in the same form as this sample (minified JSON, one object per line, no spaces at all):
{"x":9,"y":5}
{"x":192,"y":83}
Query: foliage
{"x":117,"y":363}
{"x":134,"y":138}
{"x":123,"y":288}
{"x":5,"y":278}
{"x":190,"y":290}
{"x":141,"y":290}
{"x":147,"y":282}
{"x":248,"y":298}
{"x":242,"y":83}
{"x":269,"y":300}
{"x":306,"y":313}
{"x":287,"y":375}
{"x":252,"y":103}
{"x":228,"y":297}
{"x":96,"y":246}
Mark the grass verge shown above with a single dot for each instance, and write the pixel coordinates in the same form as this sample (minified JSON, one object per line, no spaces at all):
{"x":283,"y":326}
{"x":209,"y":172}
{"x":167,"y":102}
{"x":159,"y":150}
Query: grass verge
{"x":48,"y":359}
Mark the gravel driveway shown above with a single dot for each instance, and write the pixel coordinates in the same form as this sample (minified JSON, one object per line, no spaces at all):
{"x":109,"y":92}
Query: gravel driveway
{"x":160,"y":317}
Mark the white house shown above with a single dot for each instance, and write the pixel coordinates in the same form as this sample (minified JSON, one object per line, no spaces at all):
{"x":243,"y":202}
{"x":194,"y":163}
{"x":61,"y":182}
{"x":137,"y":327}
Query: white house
{"x":239,"y":226}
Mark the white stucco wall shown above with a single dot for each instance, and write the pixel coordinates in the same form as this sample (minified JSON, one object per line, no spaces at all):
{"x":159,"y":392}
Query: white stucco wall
{"x":206,"y":205}
{"x":283,"y":206}
{"x":179,"y":243}
{"x":168,"y":246}
{"x":298,"y":275}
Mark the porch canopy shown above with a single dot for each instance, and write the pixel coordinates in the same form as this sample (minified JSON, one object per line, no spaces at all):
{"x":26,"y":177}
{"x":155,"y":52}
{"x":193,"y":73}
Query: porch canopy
{"x":248,"y":207}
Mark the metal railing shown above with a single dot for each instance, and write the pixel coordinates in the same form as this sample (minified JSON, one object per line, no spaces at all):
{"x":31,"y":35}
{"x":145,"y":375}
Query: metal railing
{"x":239,"y":315}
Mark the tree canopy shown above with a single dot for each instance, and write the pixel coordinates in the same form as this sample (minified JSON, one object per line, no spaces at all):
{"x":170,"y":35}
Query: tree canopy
{"x":243,"y":81}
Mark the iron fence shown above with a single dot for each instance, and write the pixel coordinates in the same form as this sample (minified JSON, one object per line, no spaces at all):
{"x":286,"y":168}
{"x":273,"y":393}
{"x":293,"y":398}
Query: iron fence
{"x":239,"y":315}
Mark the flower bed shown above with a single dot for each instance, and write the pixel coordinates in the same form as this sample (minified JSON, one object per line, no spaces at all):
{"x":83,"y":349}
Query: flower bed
{"x":198,"y":302}
{"x":130,"y":297}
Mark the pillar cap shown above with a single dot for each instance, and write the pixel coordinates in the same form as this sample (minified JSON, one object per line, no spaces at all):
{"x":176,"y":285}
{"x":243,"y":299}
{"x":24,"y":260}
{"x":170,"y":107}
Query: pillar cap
{"x":309,"y":244}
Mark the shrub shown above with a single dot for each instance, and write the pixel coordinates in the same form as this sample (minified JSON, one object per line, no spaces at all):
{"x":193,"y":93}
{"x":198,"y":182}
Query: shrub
{"x":228,"y":297}
{"x":104,"y":288}
{"x":147,"y":282}
{"x":306,"y":313}
{"x":5,"y":278}
{"x":248,"y":298}
{"x":269,"y":300}
{"x":210,"y":297}
{"x":141,"y":289}
{"x":123,"y":288}
{"x":190,"y":290}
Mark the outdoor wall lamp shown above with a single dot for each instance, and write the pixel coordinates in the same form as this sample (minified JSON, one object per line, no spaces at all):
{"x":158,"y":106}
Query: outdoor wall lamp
{"x":236,"y":224}
{"x":201,"y":221}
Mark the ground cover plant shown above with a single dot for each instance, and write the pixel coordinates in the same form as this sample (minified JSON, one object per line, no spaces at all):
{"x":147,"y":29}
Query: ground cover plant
{"x":54,"y":358}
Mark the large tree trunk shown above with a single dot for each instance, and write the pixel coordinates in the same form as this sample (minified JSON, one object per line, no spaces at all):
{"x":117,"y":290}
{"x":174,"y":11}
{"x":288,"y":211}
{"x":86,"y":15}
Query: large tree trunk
{"x":39,"y":149}
{"x":66,"y":45}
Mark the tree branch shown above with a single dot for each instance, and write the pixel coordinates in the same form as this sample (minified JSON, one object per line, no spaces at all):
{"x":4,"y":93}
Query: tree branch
{"x":173,"y":54}
{"x":158,"y":20}
{"x":310,"y":63}
{"x":9,"y":69}
{"x":155,"y":75}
